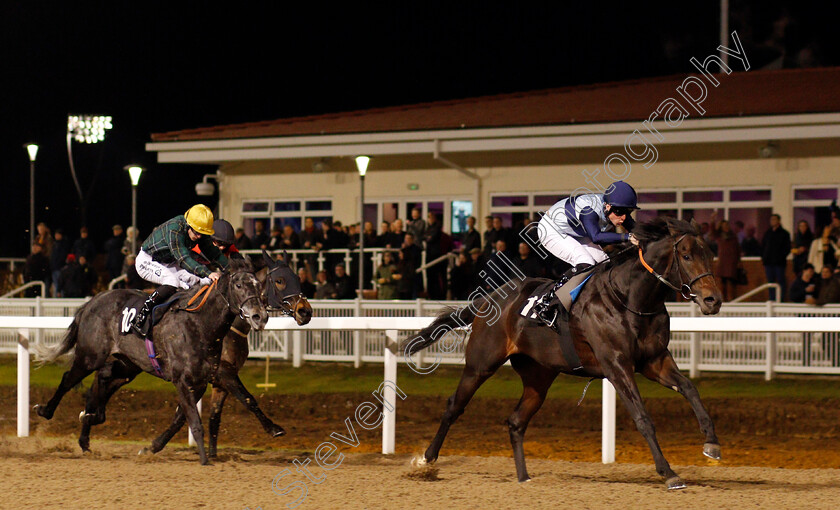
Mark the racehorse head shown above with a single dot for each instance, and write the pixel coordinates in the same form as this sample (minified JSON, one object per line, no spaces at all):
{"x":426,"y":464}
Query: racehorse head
{"x":283,"y":291}
{"x":244,"y":294}
{"x":687,"y":258}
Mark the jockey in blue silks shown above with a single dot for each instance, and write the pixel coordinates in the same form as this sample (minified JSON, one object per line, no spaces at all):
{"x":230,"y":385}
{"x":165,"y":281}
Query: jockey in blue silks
{"x":575,"y":228}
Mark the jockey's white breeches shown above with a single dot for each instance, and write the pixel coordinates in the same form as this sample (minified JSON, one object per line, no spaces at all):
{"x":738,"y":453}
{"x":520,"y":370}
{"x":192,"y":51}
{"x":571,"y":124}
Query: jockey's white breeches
{"x":165,"y":274}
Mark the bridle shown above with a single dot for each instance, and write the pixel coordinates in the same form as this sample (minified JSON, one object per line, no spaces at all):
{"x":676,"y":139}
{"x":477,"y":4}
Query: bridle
{"x":241,"y":312}
{"x":684,"y":288}
{"x":285,"y":300}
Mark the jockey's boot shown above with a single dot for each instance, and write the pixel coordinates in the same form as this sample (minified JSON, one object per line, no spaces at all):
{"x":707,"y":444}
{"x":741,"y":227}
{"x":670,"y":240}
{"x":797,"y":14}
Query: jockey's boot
{"x":543,"y":306}
{"x":157,"y":297}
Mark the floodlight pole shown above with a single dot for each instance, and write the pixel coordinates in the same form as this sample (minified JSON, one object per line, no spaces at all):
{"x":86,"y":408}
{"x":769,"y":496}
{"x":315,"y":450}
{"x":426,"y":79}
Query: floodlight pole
{"x":361,"y":165}
{"x":134,"y":171}
{"x":32,"y":149}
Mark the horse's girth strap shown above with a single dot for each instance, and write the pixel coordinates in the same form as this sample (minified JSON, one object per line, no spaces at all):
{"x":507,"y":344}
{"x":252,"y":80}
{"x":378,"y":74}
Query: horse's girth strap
{"x":204,"y":290}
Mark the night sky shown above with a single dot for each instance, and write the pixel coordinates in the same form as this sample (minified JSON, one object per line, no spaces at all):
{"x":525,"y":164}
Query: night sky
{"x":164,"y":66}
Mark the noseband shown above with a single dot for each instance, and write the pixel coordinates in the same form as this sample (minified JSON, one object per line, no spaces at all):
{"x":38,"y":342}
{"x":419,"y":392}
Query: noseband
{"x":685,"y":288}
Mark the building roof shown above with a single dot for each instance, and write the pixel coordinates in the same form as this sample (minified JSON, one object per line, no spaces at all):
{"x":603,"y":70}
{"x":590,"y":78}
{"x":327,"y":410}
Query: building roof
{"x":775,"y":92}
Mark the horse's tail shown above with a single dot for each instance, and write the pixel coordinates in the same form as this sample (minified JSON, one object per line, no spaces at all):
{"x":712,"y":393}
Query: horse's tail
{"x":48,"y":354}
{"x":449,"y":319}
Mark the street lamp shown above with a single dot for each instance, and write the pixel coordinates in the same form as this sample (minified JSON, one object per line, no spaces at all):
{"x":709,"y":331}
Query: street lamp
{"x":32,"y":149}
{"x":134,"y":171}
{"x":361,"y":165}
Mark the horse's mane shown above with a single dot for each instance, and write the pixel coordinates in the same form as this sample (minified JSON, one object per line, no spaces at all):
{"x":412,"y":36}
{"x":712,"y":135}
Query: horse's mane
{"x":648,"y":232}
{"x":235,"y":266}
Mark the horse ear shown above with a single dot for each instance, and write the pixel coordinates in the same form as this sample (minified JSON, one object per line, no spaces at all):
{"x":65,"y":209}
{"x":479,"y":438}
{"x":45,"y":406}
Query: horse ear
{"x":695,"y":225}
{"x":261,"y":275}
{"x":286,"y":257}
{"x":267,"y":258}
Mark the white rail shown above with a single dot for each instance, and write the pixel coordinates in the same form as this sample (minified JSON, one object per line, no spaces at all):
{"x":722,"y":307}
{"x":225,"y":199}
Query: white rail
{"x":393,"y":325}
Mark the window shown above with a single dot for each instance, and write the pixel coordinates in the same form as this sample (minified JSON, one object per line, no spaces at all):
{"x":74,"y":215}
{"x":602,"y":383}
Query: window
{"x":279,"y":213}
{"x":811,"y":204}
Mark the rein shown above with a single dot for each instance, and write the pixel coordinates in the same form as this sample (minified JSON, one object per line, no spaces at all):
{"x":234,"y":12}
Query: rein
{"x":201,"y":291}
{"x":684,"y":289}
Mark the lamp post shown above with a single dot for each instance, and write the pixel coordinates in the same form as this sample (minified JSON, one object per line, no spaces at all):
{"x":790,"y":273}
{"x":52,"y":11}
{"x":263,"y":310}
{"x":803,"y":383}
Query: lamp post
{"x":134,"y":171}
{"x":361,"y":165}
{"x":84,"y":129}
{"x":32,"y":149}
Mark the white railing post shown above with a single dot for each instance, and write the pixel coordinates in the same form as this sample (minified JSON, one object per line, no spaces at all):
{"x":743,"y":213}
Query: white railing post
{"x":418,"y":312}
{"x":694,"y":344}
{"x":608,"y":423}
{"x":23,"y":383}
{"x":389,"y":419}
{"x":357,"y":336}
{"x":190,"y":438}
{"x":39,"y":305}
{"x":297,"y":349}
{"x":770,"y":349}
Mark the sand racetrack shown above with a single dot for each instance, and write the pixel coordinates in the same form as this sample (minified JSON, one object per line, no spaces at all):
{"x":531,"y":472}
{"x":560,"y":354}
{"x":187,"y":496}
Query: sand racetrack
{"x":778,"y":453}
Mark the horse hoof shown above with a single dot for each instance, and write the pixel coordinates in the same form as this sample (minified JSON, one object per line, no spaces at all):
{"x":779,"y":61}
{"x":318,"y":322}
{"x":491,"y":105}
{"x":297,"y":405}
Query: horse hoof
{"x":144,"y":451}
{"x":711,"y":451}
{"x":41,"y":411}
{"x":82,"y":416}
{"x":279,"y":432}
{"x":419,"y":461}
{"x":675,"y":483}
{"x":525,"y":480}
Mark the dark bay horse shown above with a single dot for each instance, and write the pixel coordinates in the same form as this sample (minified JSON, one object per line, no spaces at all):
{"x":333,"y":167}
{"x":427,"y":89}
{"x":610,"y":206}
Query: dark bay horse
{"x":619,"y":326}
{"x":187,"y":344}
{"x":282,"y":292}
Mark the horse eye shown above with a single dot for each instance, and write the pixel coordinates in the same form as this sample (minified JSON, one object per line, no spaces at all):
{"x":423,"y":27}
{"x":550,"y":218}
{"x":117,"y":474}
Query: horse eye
{"x":238,"y":285}
{"x":280,"y":283}
{"x":686,"y":257}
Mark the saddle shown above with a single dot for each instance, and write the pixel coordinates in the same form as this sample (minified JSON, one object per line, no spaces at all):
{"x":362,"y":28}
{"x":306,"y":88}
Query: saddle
{"x":561,"y":302}
{"x":133,"y":306}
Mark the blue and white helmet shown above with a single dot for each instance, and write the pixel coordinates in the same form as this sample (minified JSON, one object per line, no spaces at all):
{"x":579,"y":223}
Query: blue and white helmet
{"x":621,"y":194}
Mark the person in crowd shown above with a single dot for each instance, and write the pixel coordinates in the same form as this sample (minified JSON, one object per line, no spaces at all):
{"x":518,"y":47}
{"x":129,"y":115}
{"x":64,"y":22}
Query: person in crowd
{"x":738,"y":230}
{"x":84,"y":247}
{"x":406,"y":284}
{"x":825,"y":251}
{"x":44,"y":238}
{"x":383,"y":240}
{"x":131,"y":234}
{"x":775,"y":246}
{"x":471,"y":238}
{"x":436,"y":274}
{"x":91,"y":277}
{"x":708,"y":234}
{"x":496,"y":232}
{"x":240,"y":240}
{"x":463,"y":276}
{"x":417,"y":226}
{"x":806,"y":287}
{"x":71,"y":282}
{"x":478,"y":261}
{"x":261,"y":238}
{"x":166,"y":257}
{"x":132,"y":278}
{"x":291,"y":241}
{"x":58,"y":258}
{"x":729,"y":259}
{"x":275,"y":240}
{"x":750,"y":246}
{"x":398,"y":233}
{"x":575,"y":229}
{"x":344,"y":285}
{"x":324,"y":289}
{"x":310,"y":238}
{"x":387,"y":277}
{"x":802,"y":240}
{"x":529,"y":264}
{"x":341,"y":237}
{"x":113,"y":251}
{"x":829,"y":291}
{"x":37,"y":268}
{"x":306,"y":285}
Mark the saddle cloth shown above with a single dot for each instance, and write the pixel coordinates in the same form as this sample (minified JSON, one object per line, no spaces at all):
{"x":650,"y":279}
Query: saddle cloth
{"x":133,"y":307}
{"x":565,"y":296}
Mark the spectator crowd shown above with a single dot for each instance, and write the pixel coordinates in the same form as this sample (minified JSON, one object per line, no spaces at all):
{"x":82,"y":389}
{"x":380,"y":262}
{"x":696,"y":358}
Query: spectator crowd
{"x":455,"y":265}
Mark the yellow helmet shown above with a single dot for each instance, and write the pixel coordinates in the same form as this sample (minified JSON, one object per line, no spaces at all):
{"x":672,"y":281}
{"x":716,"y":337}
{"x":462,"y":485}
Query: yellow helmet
{"x":200,"y":218}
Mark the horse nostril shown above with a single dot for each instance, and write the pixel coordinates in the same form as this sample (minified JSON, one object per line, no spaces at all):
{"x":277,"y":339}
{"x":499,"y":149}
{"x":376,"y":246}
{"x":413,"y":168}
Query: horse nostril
{"x":710,"y":300}
{"x":256,"y":317}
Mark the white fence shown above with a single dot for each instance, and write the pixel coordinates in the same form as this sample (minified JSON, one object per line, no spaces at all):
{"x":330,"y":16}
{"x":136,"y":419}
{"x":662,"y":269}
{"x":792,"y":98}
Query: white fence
{"x":735,"y":351}
{"x":391,"y":326}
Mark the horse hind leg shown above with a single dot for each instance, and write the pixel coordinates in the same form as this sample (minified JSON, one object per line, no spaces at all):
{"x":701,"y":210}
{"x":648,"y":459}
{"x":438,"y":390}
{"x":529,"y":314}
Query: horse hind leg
{"x":536,"y":380}
{"x":109,"y":379}
{"x":664,"y":371}
{"x":471,"y":380}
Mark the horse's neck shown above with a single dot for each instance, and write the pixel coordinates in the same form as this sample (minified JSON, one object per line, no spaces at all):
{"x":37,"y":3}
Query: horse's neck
{"x":644,"y":292}
{"x":216,"y":313}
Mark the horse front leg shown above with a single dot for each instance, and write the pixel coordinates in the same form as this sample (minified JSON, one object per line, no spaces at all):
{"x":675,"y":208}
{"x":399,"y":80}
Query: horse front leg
{"x":227,"y":378}
{"x":188,"y":399}
{"x":163,"y":439}
{"x":621,"y":377}
{"x":217,"y":403}
{"x":664,"y":371}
